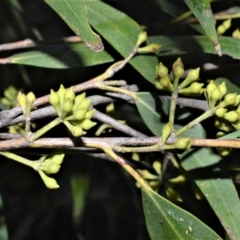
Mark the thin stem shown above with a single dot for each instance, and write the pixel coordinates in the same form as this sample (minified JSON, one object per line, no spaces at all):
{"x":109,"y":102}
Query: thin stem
{"x":153,"y":148}
{"x":19,"y":159}
{"x":46,"y":128}
{"x":196,"y":121}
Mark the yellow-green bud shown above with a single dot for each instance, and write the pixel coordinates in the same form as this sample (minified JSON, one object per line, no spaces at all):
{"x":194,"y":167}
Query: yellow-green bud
{"x":142,"y":37}
{"x":86,"y":124}
{"x":178,"y":180}
{"x":192,"y":76}
{"x":158,"y":85}
{"x":236,"y":34}
{"x":166,"y":132}
{"x":220,"y":111}
{"x":224,"y":152}
{"x":157,"y":166}
{"x":79,"y":114}
{"x":227,"y":23}
{"x":183,"y":143}
{"x":54,"y":98}
{"x":212,"y":85}
{"x":61,"y":92}
{"x":85,"y":103}
{"x":237,"y":100}
{"x":166,"y":83}
{"x":173,"y":195}
{"x":231,"y":116}
{"x":152,"y":48}
{"x":220,"y":134}
{"x":22,"y":101}
{"x":49,"y":182}
{"x":162,"y":71}
{"x":90,"y":113}
{"x":178,"y":68}
{"x":30,"y":98}
{"x":67,"y":106}
{"x":230,"y":99}
{"x":76,"y":131}
{"x":69,"y":94}
{"x":214,"y":97}
{"x":221,"y":29}
{"x":223,"y":88}
{"x":58,"y":158}
{"x":54,"y":168}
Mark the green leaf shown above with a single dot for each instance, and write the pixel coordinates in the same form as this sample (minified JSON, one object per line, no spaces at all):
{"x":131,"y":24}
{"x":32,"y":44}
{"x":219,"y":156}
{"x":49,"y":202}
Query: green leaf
{"x":74,"y":13}
{"x":169,"y":8}
{"x":121,"y":32}
{"x":203,"y":12}
{"x":62,"y":56}
{"x":167,"y":221}
{"x":175,"y":45}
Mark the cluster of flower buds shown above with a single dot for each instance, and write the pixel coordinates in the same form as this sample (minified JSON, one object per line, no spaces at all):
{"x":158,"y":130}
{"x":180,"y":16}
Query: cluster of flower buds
{"x":50,"y":165}
{"x":9,"y":99}
{"x":26,"y":102}
{"x":221,"y":29}
{"x":73,"y":110}
{"x":188,"y":87}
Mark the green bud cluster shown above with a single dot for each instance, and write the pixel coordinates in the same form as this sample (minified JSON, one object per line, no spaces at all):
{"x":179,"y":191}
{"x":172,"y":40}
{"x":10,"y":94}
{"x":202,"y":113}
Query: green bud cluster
{"x":26,"y":102}
{"x":10,"y":96}
{"x":50,"y":165}
{"x":224,"y":26}
{"x":73,"y":110}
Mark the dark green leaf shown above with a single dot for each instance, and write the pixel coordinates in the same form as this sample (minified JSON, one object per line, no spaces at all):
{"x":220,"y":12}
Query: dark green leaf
{"x":167,"y":221}
{"x":74,"y":13}
{"x":174,"y":45}
{"x":169,"y":8}
{"x":121,"y":32}
{"x":64,"y":56}
{"x":203,"y":12}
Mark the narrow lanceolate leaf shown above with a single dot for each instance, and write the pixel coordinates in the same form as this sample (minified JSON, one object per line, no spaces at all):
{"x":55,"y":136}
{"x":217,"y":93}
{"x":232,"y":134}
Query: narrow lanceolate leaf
{"x":167,"y":221}
{"x":60,"y":57}
{"x":203,"y":12}
{"x":74,"y":13}
{"x":121,"y":32}
{"x":175,"y":45}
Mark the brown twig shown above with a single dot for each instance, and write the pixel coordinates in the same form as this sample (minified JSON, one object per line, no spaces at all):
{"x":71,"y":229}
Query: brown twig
{"x":28,"y":43}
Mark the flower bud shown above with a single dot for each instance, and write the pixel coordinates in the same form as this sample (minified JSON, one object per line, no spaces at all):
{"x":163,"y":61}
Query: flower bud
{"x":231,"y":116}
{"x":22,"y":102}
{"x":90,"y":113}
{"x":230,"y":99}
{"x":69,"y":94}
{"x":58,"y":158}
{"x":214,"y":97}
{"x":157,"y":166}
{"x":220,"y":112}
{"x":212,"y":85}
{"x":166,"y":132}
{"x":223,"y":88}
{"x":76,"y":131}
{"x":183,"y":143}
{"x":152,"y":48}
{"x":166,"y":83}
{"x":178,"y":68}
{"x":224,"y":152}
{"x":49,"y":182}
{"x":192,"y":76}
{"x":30,"y":98}
{"x":194,"y":90}
{"x":86,"y":124}
{"x":67,"y":106}
{"x":236,"y":34}
{"x":162,"y":71}
{"x":61,"y":92}
{"x":85,"y":103}
{"x":220,"y":134}
{"x":79,"y":114}
{"x":142,"y":37}
{"x":54,"y":100}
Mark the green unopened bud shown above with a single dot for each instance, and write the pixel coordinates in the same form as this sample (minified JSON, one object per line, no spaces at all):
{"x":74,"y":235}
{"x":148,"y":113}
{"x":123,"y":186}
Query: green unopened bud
{"x":157,"y":166}
{"x":224,"y":152}
{"x":69,"y":94}
{"x":237,"y":102}
{"x":78,"y":99}
{"x":166,"y":83}
{"x":178,"y":180}
{"x":192,"y":76}
{"x":86,"y":124}
{"x":173,"y":195}
{"x":77,"y":131}
{"x":227,"y":23}
{"x":220,"y":111}
{"x":223,"y":88}
{"x":142,"y":37}
{"x":183,"y":143}
{"x":212,"y":85}
{"x":178,"y":68}
{"x":223,"y":125}
{"x":30,"y":98}
{"x":162,"y":71}
{"x":54,"y":168}
{"x":231,"y":116}
{"x":79,"y":114}
{"x":215,"y":96}
{"x":85,"y":103}
{"x":152,"y":48}
{"x":58,"y":158}
{"x":67,"y":107}
{"x":22,"y":101}
{"x":220,"y":134}
{"x":236,"y":34}
{"x":49,"y":182}
{"x":54,"y":100}
{"x":90,"y":113}
{"x":230,"y":99}
{"x":61,"y":91}
{"x":194,"y":90}
{"x":166,"y":132}
{"x":221,"y":29}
